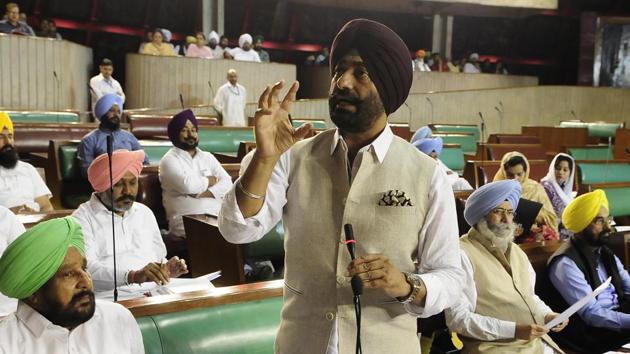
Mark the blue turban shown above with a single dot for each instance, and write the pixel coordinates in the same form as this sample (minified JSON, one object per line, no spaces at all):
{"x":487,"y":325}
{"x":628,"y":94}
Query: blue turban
{"x":178,"y":122}
{"x":428,"y":145}
{"x":424,"y":132}
{"x":105,"y":103}
{"x":488,"y":197}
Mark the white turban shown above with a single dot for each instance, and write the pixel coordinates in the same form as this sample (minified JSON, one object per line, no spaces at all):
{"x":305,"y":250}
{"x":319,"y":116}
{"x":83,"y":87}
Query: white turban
{"x":167,"y":35}
{"x":245,"y":38}
{"x":214,"y":35}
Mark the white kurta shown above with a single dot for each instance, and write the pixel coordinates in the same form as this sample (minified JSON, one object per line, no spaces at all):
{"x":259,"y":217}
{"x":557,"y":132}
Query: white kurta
{"x":138,"y":241}
{"x":21,"y":185}
{"x":112,"y":329}
{"x":10,"y":229}
{"x":462,"y":318}
{"x":183,"y":178}
{"x":244,"y":55}
{"x":101,"y":87}
{"x":458,"y":183}
{"x":230,"y":102}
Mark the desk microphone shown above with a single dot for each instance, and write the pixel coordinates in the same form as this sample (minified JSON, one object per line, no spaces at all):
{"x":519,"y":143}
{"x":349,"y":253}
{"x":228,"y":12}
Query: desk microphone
{"x":58,"y":95}
{"x":357,"y":285}
{"x":483,"y":128}
{"x":110,"y":151}
{"x":181,"y":100}
{"x":432,"y":112}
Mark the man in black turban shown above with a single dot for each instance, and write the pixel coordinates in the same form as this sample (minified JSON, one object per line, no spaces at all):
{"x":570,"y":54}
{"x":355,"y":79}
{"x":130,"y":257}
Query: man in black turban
{"x":398,"y":202}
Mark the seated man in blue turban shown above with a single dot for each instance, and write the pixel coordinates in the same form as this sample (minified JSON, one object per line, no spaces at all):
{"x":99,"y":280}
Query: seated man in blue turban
{"x":433,"y":147}
{"x":497,"y":311}
{"x":46,"y":270}
{"x":108,"y":110}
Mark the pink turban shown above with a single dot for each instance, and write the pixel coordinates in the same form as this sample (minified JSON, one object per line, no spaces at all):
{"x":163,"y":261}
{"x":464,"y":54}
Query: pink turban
{"x":123,"y":161}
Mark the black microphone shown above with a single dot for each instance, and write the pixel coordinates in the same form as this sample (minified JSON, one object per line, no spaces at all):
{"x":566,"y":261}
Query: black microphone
{"x":211,"y":88}
{"x":483,"y":128}
{"x":431,"y":103}
{"x":357,"y":285}
{"x":110,"y":152}
{"x":181,"y":100}
{"x":58,"y":103}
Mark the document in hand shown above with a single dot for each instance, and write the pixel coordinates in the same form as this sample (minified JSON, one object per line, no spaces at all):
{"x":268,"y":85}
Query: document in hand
{"x":578,"y":305}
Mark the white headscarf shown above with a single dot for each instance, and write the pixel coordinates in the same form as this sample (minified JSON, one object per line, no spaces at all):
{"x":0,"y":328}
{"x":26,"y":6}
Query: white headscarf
{"x":214,"y":35}
{"x":167,"y":35}
{"x":566,"y":192}
{"x":245,"y":38}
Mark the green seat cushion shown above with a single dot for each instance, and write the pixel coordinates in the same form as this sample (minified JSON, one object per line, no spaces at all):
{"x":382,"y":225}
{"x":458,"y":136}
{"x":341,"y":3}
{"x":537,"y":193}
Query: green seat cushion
{"x":271,"y":246}
{"x":453,"y":158}
{"x":155,"y":152}
{"x":599,"y":153}
{"x":317,"y":124}
{"x":602,"y":130}
{"x":44,"y":117}
{"x":468,"y":143}
{"x":618,"y":200}
{"x":68,"y":163}
{"x":448,"y":128}
{"x":150,"y":335}
{"x":604,"y":173}
{"x":241,"y":328}
{"x":223,"y":140}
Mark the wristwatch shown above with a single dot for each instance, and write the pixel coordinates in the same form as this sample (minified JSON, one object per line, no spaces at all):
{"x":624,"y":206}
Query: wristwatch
{"x":416,"y":284}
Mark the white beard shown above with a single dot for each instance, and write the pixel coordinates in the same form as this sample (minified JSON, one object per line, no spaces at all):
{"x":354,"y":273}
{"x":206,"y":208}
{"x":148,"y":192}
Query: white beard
{"x":500,"y":235}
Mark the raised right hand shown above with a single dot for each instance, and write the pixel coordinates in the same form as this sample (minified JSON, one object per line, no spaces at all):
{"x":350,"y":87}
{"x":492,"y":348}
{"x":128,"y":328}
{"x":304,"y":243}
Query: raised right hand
{"x":529,"y":331}
{"x":274,"y":132}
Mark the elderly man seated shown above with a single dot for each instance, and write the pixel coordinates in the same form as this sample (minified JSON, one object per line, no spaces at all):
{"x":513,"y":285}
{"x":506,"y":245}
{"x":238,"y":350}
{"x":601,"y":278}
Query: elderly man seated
{"x":433,"y":148}
{"x":498,"y":311}
{"x":45,"y":268}
{"x":140,"y":250}
{"x":580,"y":266}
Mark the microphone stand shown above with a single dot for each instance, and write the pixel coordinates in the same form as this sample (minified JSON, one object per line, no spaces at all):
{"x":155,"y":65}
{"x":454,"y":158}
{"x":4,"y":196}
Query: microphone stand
{"x":58,"y":103}
{"x":432,"y":113}
{"x":181,"y":100}
{"x":357,"y":285}
{"x":110,"y":149}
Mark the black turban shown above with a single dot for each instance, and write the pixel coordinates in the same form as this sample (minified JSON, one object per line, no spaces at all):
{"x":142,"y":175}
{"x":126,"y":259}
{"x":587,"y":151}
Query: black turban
{"x":384,"y":54}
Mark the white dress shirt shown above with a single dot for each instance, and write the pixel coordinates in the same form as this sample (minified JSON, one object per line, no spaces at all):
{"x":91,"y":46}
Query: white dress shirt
{"x":456,"y":182}
{"x":112,"y":329}
{"x":10,"y":229}
{"x":244,"y":55}
{"x":21,"y":185}
{"x":433,"y":248}
{"x":230,"y":101}
{"x":462,"y":318}
{"x":138,"y":241}
{"x":183,"y":178}
{"x":101,"y":86}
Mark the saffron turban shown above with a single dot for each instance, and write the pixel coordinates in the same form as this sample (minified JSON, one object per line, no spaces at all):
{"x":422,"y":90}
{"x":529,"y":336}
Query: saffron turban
{"x":178,"y":122}
{"x":245,"y":38}
{"x":428,"y":145}
{"x":489,"y":196}
{"x":424,"y":132}
{"x":384,"y":54}
{"x":105,"y":103}
{"x":213,"y":35}
{"x":5,"y":122}
{"x":123,"y":161}
{"x":583,"y":209}
{"x":191,"y":39}
{"x":34,"y":257}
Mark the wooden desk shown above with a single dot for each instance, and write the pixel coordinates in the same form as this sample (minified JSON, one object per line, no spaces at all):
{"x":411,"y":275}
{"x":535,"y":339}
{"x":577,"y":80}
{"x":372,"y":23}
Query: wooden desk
{"x":149,"y":306}
{"x":32,"y":219}
{"x":208,"y":251}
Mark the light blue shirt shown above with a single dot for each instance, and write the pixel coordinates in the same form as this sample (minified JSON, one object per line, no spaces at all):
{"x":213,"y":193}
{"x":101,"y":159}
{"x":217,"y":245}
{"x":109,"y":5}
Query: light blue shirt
{"x":94,"y":144}
{"x":571,"y":283}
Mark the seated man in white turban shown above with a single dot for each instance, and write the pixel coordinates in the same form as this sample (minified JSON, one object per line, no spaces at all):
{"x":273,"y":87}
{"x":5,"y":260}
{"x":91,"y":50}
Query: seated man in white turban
{"x":433,"y":148}
{"x":46,"y":270}
{"x":140,"y":250}
{"x":498,"y":311}
{"x":244,"y":51}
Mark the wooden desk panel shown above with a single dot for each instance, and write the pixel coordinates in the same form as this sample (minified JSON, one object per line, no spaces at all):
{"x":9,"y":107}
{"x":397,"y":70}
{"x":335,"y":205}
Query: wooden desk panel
{"x":555,"y":138}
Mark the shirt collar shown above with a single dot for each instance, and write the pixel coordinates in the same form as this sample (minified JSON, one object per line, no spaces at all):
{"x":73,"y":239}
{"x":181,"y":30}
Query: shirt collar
{"x":379,"y":146}
{"x":37,"y":323}
{"x":183,"y":153}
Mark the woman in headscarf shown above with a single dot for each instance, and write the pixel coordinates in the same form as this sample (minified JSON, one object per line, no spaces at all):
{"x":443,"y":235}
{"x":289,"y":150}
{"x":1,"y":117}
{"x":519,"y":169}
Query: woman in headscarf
{"x":514,"y":165}
{"x":157,"y":45}
{"x":558,"y":184}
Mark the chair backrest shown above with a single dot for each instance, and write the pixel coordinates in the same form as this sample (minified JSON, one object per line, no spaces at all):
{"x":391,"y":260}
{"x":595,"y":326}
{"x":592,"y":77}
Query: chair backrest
{"x":590,"y":173}
{"x":225,"y":140}
{"x":517,"y":139}
{"x":531,"y":151}
{"x":457,"y":128}
{"x":453,"y":158}
{"x":467,"y":141}
{"x":35,"y":137}
{"x":591,"y":153}
{"x":43,"y":117}
{"x":149,"y":126}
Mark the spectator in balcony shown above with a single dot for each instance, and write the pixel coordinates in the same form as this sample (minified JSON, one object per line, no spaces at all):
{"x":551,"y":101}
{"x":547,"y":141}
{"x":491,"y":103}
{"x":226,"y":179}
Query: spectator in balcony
{"x":244,"y":51}
{"x":108,"y":110}
{"x":437,"y":63}
{"x":230,"y":101}
{"x":323,"y":57}
{"x":486,"y":67}
{"x":147,"y":40}
{"x":263,"y":54}
{"x":213,"y":43}
{"x":418,"y":63}
{"x":199,"y":49}
{"x":472,"y":66}
{"x":48,"y":29}
{"x":224,"y":42}
{"x":168,"y":36}
{"x":310,"y":60}
{"x":12,"y":24}
{"x":157,"y":45}
{"x":21,"y":188}
{"x":501,"y":69}
{"x":104,"y":83}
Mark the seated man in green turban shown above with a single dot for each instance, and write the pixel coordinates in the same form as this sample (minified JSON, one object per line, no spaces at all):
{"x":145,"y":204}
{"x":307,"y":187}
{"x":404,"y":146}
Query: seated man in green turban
{"x":46,"y":270}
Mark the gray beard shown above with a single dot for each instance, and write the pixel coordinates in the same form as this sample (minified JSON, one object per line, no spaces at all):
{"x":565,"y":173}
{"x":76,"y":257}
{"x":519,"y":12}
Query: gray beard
{"x":500,"y":235}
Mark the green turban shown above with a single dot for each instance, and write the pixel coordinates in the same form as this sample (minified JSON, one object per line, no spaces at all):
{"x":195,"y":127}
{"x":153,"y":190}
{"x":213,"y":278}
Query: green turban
{"x":34,"y":257}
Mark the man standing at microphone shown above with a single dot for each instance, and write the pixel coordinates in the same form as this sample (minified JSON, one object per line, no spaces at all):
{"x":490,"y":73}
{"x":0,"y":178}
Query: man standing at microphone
{"x":398,"y":201}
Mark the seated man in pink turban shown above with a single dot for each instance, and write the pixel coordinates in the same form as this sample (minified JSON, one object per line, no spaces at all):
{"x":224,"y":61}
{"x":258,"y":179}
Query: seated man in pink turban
{"x":140,"y":251}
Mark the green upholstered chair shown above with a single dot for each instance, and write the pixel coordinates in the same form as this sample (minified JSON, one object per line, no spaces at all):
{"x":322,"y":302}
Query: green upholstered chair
{"x":453,"y":158}
{"x":592,"y":173}
{"x":467,"y":141}
{"x":223,"y":140}
{"x":271,"y":246}
{"x":317,"y":124}
{"x":44,"y":117}
{"x":618,"y":200}
{"x":591,"y":153}
{"x":456,"y":128}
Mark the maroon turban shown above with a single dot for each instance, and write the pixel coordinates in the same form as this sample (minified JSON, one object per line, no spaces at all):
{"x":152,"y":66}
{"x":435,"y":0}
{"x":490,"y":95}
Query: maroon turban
{"x":178,"y":122}
{"x":384,"y":54}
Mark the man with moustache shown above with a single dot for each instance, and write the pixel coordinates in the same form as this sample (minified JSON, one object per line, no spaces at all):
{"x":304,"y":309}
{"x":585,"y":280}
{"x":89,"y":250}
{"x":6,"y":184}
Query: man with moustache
{"x":108,"y":110}
{"x":22,"y":189}
{"x":140,"y":251}
{"x":398,"y":202}
{"x":579,"y":267}
{"x":46,"y":269}
{"x":498,"y":311}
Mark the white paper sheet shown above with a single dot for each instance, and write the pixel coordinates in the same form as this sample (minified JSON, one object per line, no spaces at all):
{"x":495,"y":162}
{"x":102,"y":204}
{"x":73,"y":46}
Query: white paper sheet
{"x":578,"y":305}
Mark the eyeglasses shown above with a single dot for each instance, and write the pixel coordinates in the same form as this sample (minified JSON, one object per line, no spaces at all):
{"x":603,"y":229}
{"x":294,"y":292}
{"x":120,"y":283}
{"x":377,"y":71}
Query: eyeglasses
{"x":507,"y":212}
{"x":601,"y":220}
